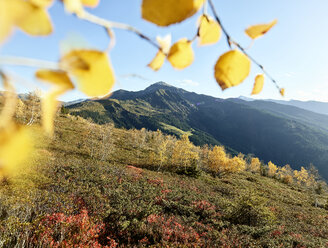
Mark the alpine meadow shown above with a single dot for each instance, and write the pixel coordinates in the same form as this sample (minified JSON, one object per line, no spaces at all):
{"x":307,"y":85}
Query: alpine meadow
{"x":152,"y":123}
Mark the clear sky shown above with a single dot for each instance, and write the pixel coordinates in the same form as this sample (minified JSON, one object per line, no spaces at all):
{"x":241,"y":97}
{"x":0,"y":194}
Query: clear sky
{"x":294,"y":52}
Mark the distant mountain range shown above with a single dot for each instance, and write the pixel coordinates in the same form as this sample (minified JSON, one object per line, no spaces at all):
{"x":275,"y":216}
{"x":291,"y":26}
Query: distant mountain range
{"x":280,"y":131}
{"x":314,"y":106}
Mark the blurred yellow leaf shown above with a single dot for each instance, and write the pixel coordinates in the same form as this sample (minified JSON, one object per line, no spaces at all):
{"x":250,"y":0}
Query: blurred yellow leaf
{"x":181,"y":54}
{"x":158,"y":61}
{"x":92,"y":69}
{"x":90,"y":3}
{"x":62,"y":83}
{"x":282,"y":92}
{"x":76,"y":6}
{"x":167,"y":12}
{"x":42,"y":3}
{"x":258,"y":84}
{"x":57,"y":78}
{"x":259,"y":30}
{"x":26,"y":15}
{"x":231,"y":69}
{"x":164,"y":43}
{"x":10,"y":101}
{"x":16,"y":145}
{"x":73,"y":6}
{"x":49,"y":106}
{"x":36,"y":22}
{"x":11,"y":12}
{"x":209,"y":31}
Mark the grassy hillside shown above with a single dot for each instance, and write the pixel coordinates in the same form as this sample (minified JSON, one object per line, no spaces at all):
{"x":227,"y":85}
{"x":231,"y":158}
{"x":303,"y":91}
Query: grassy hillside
{"x":99,"y":186}
{"x":270,"y":131}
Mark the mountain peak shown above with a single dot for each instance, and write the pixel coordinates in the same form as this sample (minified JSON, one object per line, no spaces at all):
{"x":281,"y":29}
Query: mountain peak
{"x":159,"y":85}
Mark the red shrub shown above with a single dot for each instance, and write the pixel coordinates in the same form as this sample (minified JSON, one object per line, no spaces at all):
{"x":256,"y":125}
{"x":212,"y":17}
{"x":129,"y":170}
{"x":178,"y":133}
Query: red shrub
{"x":203,"y":205}
{"x":59,"y":230}
{"x":134,"y":171}
{"x":157,"y":182}
{"x":278,"y":232}
{"x":169,"y":230}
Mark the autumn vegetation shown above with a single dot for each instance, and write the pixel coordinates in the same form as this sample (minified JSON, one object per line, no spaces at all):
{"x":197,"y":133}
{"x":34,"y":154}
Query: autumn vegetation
{"x":99,"y":186}
{"x":75,"y":183}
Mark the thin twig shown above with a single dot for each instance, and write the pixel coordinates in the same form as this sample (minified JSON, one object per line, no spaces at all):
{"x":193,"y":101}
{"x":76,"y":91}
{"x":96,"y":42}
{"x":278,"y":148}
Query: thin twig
{"x":112,"y":41}
{"x":258,"y":64}
{"x":216,"y":16}
{"x":109,"y":25}
{"x":21,"y":61}
{"x":231,"y":41}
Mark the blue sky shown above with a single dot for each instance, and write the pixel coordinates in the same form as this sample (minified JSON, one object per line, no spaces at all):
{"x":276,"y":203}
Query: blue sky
{"x":294,"y":51}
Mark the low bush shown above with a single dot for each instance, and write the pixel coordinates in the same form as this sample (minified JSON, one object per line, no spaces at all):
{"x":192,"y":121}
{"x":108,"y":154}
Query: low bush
{"x":252,"y":211}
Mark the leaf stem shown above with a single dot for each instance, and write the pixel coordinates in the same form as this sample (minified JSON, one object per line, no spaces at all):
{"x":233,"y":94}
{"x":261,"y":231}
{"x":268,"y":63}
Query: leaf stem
{"x":205,"y":8}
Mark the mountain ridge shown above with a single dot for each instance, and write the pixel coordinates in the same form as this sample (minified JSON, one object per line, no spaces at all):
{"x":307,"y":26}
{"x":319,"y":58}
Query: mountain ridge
{"x":271,"y":131}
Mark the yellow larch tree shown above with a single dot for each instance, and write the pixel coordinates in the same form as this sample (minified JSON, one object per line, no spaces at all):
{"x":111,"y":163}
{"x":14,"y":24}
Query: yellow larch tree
{"x":184,"y":152}
{"x":236,"y":163}
{"x":272,"y":169}
{"x":285,"y":174}
{"x":254,"y":165}
{"x":217,"y":159}
{"x":301,"y":176}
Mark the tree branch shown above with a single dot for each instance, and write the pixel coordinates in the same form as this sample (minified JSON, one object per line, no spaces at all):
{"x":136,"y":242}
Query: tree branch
{"x":231,"y":41}
{"x":84,"y":15}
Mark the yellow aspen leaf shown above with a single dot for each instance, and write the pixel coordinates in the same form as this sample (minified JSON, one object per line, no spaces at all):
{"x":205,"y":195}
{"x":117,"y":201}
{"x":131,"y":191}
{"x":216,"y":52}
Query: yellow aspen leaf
{"x":73,"y":62}
{"x":258,"y":84}
{"x":36,"y":21}
{"x":256,"y":31}
{"x":42,"y":3}
{"x":73,"y":6}
{"x":90,"y":3}
{"x":57,"y":78}
{"x":158,"y":61}
{"x":15,"y":147}
{"x":164,"y":43}
{"x":49,"y":104}
{"x":165,"y":13}
{"x":209,"y":31}
{"x":282,"y":92}
{"x":10,"y":101}
{"x":11,"y":12}
{"x":181,"y":54}
{"x":95,"y":76}
{"x":231,"y":69}
{"x":76,"y":6}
